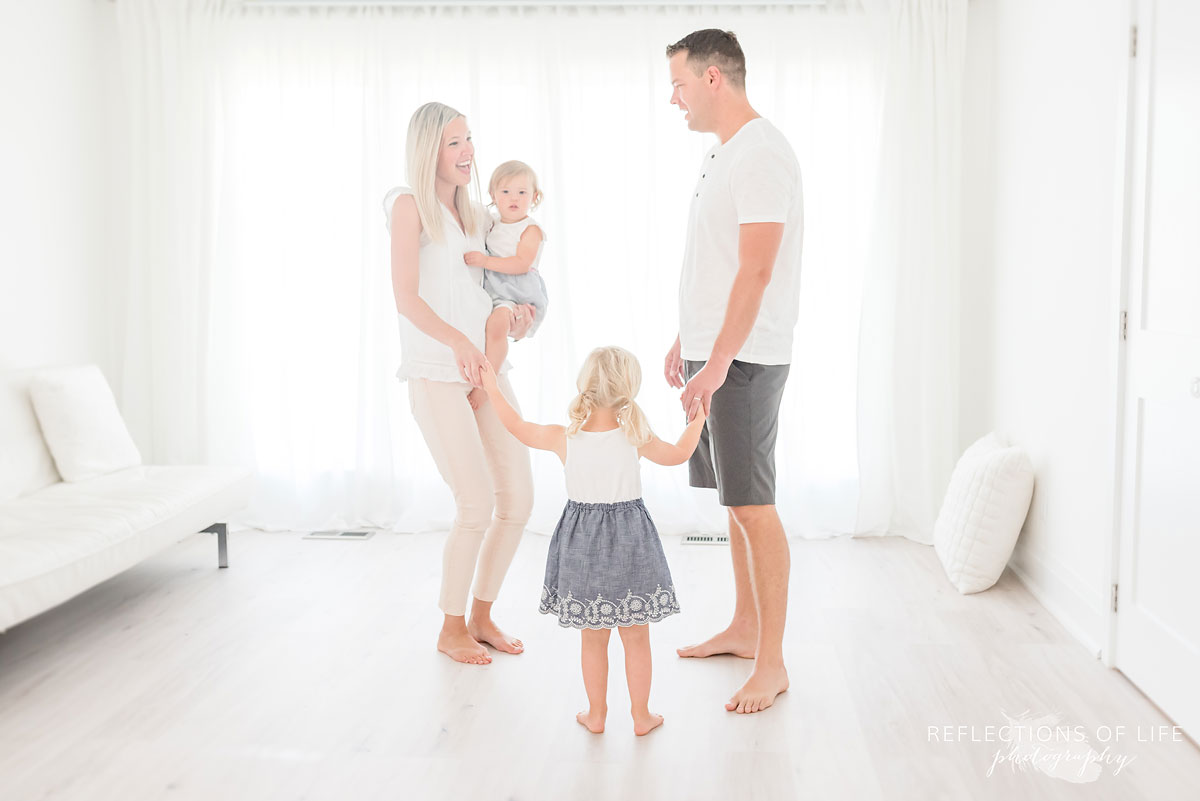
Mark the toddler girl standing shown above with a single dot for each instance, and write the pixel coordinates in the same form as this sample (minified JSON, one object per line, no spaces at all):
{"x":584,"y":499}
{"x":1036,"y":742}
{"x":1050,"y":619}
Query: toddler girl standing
{"x":606,"y":568}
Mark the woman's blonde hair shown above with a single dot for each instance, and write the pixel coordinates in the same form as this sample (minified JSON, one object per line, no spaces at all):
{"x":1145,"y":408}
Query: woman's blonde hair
{"x":424,"y":145}
{"x":610,"y":379}
{"x":512,"y":169}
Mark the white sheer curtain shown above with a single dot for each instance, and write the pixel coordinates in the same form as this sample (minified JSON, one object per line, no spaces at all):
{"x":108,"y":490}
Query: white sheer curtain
{"x":260,"y":326}
{"x":908,"y":351}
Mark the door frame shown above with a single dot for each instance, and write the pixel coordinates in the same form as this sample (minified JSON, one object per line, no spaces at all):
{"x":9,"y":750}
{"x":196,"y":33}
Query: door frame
{"x":1128,"y":180}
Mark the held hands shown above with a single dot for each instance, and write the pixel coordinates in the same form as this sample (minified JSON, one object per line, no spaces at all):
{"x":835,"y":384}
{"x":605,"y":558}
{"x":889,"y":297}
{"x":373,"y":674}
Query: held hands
{"x":697,"y":414}
{"x":703,"y":385}
{"x":470,"y":361}
{"x":487,"y":378}
{"x":475,"y":259}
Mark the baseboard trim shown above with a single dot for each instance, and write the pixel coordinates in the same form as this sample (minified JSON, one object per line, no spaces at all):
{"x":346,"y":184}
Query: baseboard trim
{"x":1057,"y":589}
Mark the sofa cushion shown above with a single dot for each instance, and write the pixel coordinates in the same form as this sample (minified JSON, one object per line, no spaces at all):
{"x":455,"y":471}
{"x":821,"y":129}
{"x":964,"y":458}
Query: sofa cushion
{"x":82,"y":426}
{"x":983,"y":513}
{"x":25,"y":463}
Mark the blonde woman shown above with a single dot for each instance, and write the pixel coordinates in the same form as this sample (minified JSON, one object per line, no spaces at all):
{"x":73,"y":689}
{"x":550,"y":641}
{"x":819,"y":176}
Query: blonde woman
{"x":605,"y":568}
{"x":443,"y":311}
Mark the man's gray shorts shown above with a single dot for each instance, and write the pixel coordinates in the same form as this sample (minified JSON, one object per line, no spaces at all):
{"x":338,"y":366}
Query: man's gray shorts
{"x":736,"y":454}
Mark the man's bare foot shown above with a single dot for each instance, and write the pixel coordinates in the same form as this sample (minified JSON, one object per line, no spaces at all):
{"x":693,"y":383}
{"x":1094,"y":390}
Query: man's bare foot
{"x":759,"y":691}
{"x":592,"y":720}
{"x":488,"y":632}
{"x":463,"y":648}
{"x":644,"y":723}
{"x":739,"y":641}
{"x":477,"y":397}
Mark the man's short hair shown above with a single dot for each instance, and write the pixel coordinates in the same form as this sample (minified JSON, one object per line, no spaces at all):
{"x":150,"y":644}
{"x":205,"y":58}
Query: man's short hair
{"x":714,"y":48}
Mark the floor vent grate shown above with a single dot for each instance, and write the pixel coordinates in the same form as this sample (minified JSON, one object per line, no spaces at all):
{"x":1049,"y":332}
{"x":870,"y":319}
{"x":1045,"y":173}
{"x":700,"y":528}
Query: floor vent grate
{"x":706,"y":539}
{"x":340,"y":535}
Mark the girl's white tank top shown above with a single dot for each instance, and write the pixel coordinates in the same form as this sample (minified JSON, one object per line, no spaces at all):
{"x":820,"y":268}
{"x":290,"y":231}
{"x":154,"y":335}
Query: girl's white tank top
{"x":602,"y":467}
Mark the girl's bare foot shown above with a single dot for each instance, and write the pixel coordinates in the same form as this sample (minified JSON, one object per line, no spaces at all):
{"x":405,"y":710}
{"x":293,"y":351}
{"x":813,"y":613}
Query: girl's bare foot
{"x":462,"y":647}
{"x":488,"y":632}
{"x":592,"y":720}
{"x":646,"y":722}
{"x":477,"y":397}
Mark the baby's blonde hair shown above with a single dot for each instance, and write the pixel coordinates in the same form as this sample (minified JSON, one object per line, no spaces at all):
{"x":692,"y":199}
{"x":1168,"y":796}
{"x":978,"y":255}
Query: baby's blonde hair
{"x":512,"y":169}
{"x":610,"y":379}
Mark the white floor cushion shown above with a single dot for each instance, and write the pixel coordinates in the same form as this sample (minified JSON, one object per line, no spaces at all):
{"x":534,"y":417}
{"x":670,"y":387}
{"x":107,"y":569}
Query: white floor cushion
{"x":983,"y":513}
{"x":81,"y":423}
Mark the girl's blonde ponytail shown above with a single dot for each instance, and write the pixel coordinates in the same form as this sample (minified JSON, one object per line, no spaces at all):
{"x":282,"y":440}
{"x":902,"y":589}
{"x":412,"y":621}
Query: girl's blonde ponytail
{"x":610,"y":379}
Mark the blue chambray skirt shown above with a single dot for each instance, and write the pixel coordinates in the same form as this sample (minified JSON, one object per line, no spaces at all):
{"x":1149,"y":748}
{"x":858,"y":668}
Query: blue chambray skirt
{"x":606,"y":568}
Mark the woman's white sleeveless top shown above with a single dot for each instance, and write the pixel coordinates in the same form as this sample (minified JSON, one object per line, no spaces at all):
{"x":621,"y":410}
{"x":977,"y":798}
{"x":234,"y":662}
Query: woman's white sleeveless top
{"x":602,"y":467}
{"x":452,"y":289}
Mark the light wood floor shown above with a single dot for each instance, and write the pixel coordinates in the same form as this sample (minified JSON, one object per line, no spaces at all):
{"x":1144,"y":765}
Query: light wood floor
{"x":307,"y":671}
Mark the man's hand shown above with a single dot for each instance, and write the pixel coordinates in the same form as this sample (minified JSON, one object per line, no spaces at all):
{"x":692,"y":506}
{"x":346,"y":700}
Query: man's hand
{"x":673,"y":367}
{"x":703,"y":385}
{"x":475,"y":259}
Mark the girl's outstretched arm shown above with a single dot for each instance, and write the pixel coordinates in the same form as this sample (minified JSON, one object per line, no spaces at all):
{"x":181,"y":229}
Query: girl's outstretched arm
{"x":664,"y":453}
{"x":546,"y":438}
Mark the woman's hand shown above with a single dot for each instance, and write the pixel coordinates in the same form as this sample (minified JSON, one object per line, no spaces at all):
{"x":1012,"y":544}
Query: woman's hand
{"x":487,"y":376}
{"x":475,"y":259}
{"x":522,"y":320}
{"x":470,"y":361}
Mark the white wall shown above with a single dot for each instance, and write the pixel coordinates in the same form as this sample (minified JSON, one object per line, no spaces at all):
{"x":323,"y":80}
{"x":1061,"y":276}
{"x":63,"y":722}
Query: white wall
{"x":57,"y":73}
{"x":977,"y":341}
{"x":1042,"y":195}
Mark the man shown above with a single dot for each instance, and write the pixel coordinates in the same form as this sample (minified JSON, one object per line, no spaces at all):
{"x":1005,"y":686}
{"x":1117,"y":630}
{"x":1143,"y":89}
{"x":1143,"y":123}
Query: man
{"x":738,"y":304}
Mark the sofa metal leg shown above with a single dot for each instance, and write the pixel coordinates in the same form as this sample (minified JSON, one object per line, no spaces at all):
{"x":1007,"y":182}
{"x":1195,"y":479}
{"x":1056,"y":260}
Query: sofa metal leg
{"x":221,"y":530}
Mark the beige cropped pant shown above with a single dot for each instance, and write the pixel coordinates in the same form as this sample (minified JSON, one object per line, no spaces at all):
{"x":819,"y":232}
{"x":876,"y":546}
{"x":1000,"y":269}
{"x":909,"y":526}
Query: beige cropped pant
{"x":489,"y":472}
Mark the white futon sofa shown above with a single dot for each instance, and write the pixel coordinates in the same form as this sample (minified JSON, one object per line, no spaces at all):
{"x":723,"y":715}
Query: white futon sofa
{"x":76,"y":505}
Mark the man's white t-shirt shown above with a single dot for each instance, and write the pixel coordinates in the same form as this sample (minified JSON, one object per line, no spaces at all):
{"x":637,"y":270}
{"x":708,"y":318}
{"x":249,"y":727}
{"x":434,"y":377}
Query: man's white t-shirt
{"x":752,"y":178}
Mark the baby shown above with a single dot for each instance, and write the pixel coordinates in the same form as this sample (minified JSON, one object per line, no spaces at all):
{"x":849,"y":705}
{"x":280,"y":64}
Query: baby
{"x":514,"y":246}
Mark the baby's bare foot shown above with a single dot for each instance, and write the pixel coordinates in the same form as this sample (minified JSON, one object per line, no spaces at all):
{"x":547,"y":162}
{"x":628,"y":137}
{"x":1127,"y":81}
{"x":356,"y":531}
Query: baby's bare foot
{"x":463,"y":648}
{"x":477,"y":397}
{"x":646,"y":723}
{"x":592,"y":720}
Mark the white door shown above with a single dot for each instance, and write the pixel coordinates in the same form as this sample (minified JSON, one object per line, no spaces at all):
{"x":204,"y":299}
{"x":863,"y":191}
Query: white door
{"x":1158,"y":599}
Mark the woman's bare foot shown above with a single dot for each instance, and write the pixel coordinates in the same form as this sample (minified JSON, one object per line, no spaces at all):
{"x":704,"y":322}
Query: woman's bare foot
{"x":488,"y":632}
{"x":736,"y":640}
{"x":646,"y":722}
{"x":592,"y":720}
{"x":760,"y":690}
{"x":462,"y":647}
{"x":477,"y":397}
